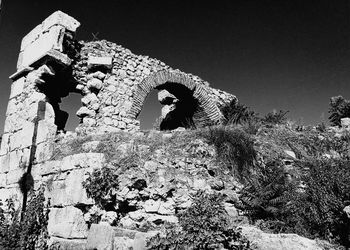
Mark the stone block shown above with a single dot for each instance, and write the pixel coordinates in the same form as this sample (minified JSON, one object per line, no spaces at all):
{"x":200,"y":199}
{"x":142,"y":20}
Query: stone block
{"x":43,"y":152}
{"x":104,"y":61}
{"x":67,"y":222}
{"x":83,"y":160}
{"x":25,"y":136}
{"x":2,"y":180}
{"x":64,"y":244}
{"x":46,"y":131}
{"x":15,"y":160}
{"x":12,"y":107}
{"x":62,"y":19}
{"x":17,"y":87}
{"x":70,"y":191}
{"x":31,"y":37}
{"x":5,"y":147}
{"x":13,"y":123}
{"x":14,"y":176}
{"x":100,"y":237}
{"x":345,"y":122}
{"x":50,"y":39}
{"x":4,"y":163}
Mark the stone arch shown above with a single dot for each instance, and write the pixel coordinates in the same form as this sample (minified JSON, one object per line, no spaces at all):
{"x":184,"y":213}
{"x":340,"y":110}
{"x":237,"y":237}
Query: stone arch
{"x":207,"y":111}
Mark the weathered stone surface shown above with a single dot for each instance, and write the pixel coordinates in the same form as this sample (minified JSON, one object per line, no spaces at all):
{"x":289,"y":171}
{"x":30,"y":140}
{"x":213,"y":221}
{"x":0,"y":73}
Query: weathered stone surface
{"x":17,"y":87}
{"x":94,"y":61}
{"x":64,"y":244}
{"x":46,"y":41}
{"x":46,"y":131}
{"x":266,"y":241}
{"x":83,"y":160}
{"x":94,"y":83}
{"x":84,"y":111}
{"x":345,"y":122}
{"x":101,"y":237}
{"x":69,"y":191}
{"x":166,"y":98}
{"x":62,"y":19}
{"x":67,"y":222}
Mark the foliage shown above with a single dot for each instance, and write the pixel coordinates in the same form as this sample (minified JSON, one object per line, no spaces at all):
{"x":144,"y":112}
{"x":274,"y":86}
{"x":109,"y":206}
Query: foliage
{"x":234,"y":148}
{"x":310,"y":205}
{"x":275,"y":117}
{"x":338,"y":108}
{"x":28,"y":232}
{"x":236,"y":113}
{"x":100,"y":184}
{"x":204,"y":225}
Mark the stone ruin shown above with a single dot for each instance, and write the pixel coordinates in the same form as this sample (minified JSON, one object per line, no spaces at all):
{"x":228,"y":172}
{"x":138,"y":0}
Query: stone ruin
{"x":113,"y":83}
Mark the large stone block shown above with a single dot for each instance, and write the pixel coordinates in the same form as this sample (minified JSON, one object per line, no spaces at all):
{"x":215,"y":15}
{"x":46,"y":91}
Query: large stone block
{"x":57,"y":18}
{"x":51,"y":39}
{"x":17,"y":87}
{"x":5,"y":147}
{"x":67,"y":222}
{"x":64,"y":244}
{"x":46,"y":131}
{"x":15,"y":160}
{"x":44,"y":152}
{"x":14,"y":176}
{"x":83,"y":160}
{"x":62,"y":19}
{"x":4,"y":163}
{"x":69,"y":191}
{"x":2,"y":180}
{"x":12,"y":107}
{"x":100,"y":237}
{"x":103,"y":61}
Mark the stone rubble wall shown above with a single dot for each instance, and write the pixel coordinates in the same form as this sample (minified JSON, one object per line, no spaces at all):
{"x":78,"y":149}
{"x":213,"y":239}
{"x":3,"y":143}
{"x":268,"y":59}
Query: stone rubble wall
{"x":113,"y":83}
{"x":112,"y":99}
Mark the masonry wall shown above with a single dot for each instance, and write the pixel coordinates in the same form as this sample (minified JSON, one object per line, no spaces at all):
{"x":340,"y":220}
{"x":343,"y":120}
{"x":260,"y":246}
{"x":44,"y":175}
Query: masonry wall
{"x":113,"y":83}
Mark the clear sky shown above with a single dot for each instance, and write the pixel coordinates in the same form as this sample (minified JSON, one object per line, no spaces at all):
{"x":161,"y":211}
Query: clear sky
{"x":282,"y":54}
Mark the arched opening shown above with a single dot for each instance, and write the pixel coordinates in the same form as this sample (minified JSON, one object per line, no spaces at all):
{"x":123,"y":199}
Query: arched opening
{"x":150,"y":113}
{"x":178,"y":108}
{"x":186,"y":102}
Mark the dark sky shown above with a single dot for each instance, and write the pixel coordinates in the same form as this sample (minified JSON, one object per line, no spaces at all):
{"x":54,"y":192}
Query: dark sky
{"x":282,"y":54}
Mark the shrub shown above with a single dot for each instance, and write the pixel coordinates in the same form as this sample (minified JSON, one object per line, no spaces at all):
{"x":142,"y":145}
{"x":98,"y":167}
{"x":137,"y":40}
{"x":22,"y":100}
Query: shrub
{"x":234,"y":148}
{"x":28,"y":232}
{"x":311,"y":206}
{"x":338,"y":108}
{"x":275,"y":117}
{"x":204,"y":225}
{"x":236,"y":113}
{"x":100,"y":184}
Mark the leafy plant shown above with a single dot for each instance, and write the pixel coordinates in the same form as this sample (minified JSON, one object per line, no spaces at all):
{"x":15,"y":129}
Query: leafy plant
{"x":311,"y":205}
{"x":236,"y":113}
{"x":235,"y":149}
{"x":275,"y":117}
{"x":28,"y":232}
{"x":204,"y":225}
{"x":100,"y":184}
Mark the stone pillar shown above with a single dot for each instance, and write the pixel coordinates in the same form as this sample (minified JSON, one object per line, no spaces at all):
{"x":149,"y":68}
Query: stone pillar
{"x":29,"y":125}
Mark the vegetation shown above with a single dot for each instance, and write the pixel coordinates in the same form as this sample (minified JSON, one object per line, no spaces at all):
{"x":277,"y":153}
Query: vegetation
{"x":99,"y":186}
{"x":28,"y":232}
{"x":338,"y":108}
{"x":204,"y":225}
{"x":234,"y":149}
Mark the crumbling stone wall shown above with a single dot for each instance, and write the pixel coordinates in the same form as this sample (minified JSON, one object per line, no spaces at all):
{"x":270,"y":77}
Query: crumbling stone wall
{"x":113,"y":83}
